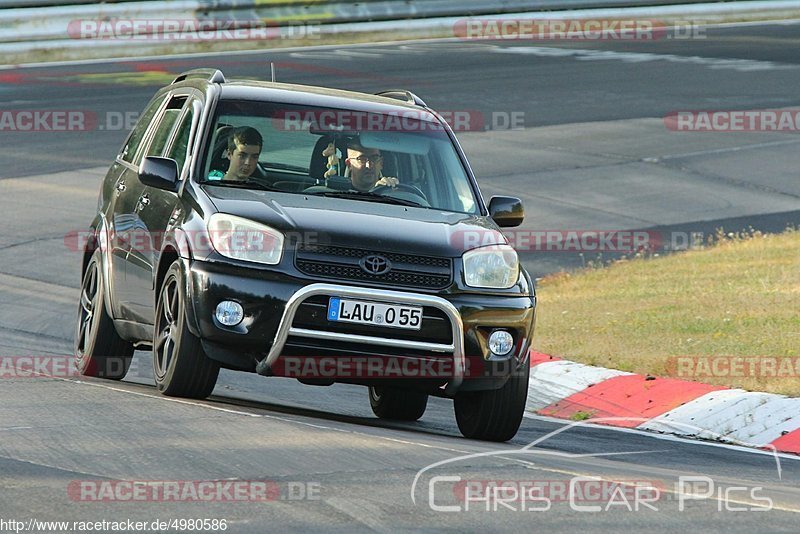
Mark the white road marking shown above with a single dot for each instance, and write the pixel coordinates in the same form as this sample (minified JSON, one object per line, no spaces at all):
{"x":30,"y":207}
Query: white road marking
{"x":496,"y":454}
{"x":417,"y":443}
{"x":722,"y":150}
{"x":742,"y":65}
{"x":412,"y":442}
{"x":393,"y":43}
{"x":670,"y":437}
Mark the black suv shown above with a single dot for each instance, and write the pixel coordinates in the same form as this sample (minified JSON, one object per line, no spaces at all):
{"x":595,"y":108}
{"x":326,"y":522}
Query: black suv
{"x":283,"y":267}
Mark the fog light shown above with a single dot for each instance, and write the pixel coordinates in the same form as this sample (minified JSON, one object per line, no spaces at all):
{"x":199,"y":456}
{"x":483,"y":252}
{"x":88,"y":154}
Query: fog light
{"x":501,"y":342}
{"x":229,"y":313}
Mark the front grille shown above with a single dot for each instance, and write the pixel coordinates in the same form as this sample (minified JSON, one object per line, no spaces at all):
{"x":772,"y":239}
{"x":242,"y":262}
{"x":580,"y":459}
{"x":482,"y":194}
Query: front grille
{"x":342,"y":263}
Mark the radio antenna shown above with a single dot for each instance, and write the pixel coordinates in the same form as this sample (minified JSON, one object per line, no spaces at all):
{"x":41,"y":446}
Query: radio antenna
{"x":272,"y":70}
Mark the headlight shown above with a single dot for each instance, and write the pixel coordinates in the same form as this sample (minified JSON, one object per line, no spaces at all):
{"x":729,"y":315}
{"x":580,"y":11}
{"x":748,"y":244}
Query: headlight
{"x":495,"y":267}
{"x":243,"y":239}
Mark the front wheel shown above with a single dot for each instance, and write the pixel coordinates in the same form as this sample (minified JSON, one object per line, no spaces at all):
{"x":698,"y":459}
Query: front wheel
{"x":396,"y":404}
{"x":99,"y":350}
{"x":180,"y":366}
{"x":494,"y":415}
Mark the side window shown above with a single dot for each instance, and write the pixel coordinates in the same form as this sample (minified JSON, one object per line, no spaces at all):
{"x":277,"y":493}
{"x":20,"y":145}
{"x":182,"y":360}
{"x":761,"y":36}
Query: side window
{"x":135,"y":139}
{"x":164,"y":129}
{"x":180,"y":146}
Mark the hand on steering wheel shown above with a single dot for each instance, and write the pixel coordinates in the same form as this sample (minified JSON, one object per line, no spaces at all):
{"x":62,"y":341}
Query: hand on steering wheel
{"x":391,"y":181}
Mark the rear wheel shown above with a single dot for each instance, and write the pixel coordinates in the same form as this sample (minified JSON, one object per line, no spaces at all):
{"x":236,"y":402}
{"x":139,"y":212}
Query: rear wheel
{"x":99,"y":350}
{"x":388,"y":403}
{"x":180,"y":366}
{"x":494,"y":415}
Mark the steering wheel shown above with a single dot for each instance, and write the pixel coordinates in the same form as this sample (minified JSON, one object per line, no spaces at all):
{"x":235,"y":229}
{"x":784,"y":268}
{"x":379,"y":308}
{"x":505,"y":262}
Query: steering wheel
{"x":408,"y":188}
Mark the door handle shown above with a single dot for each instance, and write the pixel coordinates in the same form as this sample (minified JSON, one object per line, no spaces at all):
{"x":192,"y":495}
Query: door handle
{"x":144,"y":201}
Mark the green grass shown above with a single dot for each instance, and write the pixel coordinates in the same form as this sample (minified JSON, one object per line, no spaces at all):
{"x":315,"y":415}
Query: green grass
{"x":580,"y":416}
{"x":739,"y":297}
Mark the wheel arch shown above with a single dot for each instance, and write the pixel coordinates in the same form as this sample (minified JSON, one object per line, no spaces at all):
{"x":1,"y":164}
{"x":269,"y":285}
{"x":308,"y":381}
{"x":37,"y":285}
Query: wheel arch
{"x":167,"y":257}
{"x":170,"y":254}
{"x":95,"y":241}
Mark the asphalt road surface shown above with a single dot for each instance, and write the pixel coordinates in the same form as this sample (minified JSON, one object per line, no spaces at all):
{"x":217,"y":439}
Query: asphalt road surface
{"x":592,"y":151}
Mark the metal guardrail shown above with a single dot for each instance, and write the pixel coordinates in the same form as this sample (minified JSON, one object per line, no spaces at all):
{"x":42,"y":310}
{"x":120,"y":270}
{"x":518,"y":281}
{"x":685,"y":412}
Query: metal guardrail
{"x":230,"y":4}
{"x":11,"y":4}
{"x":28,"y":21}
{"x":334,"y":11}
{"x":375,"y":8}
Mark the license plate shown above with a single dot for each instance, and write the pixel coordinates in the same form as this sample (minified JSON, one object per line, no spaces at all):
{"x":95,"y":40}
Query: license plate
{"x":374,"y":313}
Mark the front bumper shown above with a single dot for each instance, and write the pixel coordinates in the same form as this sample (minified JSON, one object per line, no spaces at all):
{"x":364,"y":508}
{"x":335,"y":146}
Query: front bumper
{"x":273,"y":303}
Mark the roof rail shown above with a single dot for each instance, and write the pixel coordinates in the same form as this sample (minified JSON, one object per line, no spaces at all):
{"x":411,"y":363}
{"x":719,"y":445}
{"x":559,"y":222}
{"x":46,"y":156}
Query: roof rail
{"x":210,"y":75}
{"x":402,"y":94}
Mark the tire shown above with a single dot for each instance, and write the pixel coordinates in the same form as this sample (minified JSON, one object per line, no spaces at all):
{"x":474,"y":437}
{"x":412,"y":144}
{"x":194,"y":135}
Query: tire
{"x":180,"y":366}
{"x":494,"y":415}
{"x":396,"y":404}
{"x":98,"y":349}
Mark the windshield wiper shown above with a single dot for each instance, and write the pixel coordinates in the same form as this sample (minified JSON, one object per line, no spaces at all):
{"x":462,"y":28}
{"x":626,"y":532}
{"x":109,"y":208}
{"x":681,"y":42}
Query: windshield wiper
{"x":247,"y":184}
{"x":366,"y":195}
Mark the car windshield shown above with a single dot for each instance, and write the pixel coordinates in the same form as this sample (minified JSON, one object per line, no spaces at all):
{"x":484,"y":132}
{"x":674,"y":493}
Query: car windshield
{"x":398,"y":158}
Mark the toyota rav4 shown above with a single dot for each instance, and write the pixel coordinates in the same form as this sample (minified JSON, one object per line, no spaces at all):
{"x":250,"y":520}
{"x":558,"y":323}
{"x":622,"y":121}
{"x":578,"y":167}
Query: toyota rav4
{"x":310,"y":233}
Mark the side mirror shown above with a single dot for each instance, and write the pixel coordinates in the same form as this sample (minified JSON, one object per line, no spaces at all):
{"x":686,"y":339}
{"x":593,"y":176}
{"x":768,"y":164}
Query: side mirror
{"x":506,"y":211}
{"x":161,"y":173}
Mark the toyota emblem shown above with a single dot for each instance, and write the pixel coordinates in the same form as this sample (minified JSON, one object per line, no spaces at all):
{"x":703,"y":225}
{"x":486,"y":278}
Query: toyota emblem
{"x":375,"y":264}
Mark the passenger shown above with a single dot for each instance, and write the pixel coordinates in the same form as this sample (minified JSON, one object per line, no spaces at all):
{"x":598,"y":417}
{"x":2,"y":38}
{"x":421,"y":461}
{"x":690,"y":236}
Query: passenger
{"x":244,"y":148}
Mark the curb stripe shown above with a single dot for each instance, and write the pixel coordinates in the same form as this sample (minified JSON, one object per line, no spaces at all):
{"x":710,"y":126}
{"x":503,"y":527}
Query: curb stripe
{"x":733,"y":415}
{"x":568,"y":390}
{"x":633,"y":396}
{"x":789,"y":442}
{"x":538,"y":357}
{"x":553,"y":380}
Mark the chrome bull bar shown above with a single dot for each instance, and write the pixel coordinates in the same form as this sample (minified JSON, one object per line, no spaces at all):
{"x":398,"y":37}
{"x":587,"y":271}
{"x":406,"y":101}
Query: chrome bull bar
{"x":285,"y":328}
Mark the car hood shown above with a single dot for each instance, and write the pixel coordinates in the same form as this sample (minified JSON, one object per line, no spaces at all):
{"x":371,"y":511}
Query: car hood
{"x":360,"y":224}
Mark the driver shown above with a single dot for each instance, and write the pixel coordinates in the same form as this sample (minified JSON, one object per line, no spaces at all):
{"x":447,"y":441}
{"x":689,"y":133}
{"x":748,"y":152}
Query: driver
{"x":244,"y":148}
{"x":364,"y":166}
